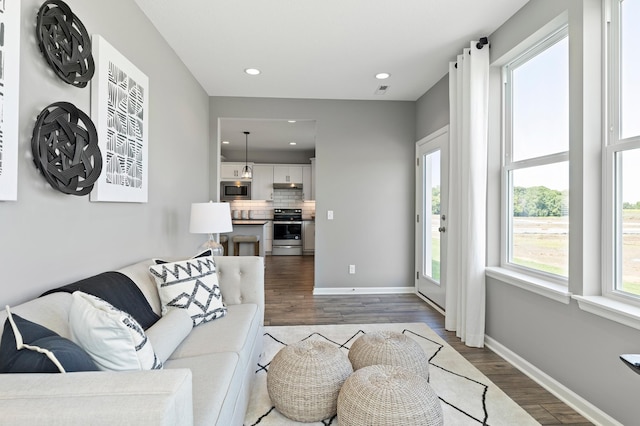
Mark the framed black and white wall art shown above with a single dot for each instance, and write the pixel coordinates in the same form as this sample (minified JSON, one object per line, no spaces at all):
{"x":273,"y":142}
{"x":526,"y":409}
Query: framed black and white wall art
{"x":9,"y":95}
{"x":120,"y":111}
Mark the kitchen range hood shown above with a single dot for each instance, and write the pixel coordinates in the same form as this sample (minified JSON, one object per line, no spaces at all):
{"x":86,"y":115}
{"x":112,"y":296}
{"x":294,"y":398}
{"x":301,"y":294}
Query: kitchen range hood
{"x":287,"y":186}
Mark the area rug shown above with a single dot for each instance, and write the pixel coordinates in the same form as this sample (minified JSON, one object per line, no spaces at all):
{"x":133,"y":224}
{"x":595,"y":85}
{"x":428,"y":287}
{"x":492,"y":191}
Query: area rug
{"x":467,"y":396}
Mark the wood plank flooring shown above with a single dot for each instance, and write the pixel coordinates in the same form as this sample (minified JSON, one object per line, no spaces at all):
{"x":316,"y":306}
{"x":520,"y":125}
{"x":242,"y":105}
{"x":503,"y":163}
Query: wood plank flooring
{"x":289,"y":300}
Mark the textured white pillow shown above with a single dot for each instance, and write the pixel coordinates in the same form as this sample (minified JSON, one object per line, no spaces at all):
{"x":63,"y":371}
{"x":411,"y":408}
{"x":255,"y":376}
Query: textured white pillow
{"x":190,"y":284}
{"x":113,"y":338}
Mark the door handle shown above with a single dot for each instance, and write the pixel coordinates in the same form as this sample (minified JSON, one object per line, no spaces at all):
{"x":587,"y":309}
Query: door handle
{"x":442,"y":229}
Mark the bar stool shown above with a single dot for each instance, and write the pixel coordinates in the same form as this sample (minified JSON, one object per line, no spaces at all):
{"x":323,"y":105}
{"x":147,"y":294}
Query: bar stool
{"x":238,"y":239}
{"x":224,"y":240}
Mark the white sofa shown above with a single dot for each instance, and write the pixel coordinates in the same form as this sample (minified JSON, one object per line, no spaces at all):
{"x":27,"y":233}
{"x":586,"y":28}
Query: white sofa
{"x":206,"y":379}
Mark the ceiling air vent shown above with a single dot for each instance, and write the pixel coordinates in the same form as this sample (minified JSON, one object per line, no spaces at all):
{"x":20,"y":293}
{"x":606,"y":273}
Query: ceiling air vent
{"x":382,"y":89}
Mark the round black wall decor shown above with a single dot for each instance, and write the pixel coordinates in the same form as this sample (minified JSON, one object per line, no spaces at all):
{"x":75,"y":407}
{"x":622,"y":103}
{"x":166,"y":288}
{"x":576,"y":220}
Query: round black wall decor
{"x":65,"y":148}
{"x":65,"y":43}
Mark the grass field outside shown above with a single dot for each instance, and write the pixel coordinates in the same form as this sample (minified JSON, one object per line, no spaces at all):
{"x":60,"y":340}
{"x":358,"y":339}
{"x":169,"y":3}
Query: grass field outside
{"x":542,"y":243}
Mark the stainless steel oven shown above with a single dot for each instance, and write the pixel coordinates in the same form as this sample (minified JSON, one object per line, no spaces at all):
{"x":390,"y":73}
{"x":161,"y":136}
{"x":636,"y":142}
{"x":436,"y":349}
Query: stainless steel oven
{"x":235,"y":190}
{"x":287,"y":232}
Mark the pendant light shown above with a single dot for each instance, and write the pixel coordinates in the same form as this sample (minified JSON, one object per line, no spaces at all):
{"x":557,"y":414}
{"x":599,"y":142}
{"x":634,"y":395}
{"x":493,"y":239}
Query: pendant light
{"x":246,"y":170}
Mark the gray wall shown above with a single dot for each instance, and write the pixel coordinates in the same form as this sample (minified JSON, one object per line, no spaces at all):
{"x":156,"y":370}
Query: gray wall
{"x":365,"y":153}
{"x":432,"y":109}
{"x":576,"y":348}
{"x":48,"y":238}
{"x":273,"y":157}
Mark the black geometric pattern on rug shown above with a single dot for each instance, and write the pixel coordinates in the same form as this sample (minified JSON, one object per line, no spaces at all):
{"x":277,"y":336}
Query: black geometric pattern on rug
{"x":65,"y":43}
{"x":433,"y":363}
{"x":65,"y":148}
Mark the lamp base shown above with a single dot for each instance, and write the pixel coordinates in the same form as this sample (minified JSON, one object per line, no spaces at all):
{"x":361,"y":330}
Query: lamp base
{"x":215,"y":247}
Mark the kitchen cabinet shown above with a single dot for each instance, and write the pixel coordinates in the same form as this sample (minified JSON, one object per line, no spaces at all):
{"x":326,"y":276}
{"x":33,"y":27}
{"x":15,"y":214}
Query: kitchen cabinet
{"x":307,"y":184}
{"x":262,"y":183}
{"x":308,"y":236}
{"x":287,"y":174}
{"x":232,"y":171}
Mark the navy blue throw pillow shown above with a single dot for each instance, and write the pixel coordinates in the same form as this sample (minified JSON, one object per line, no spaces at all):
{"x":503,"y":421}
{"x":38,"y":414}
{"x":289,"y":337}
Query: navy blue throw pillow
{"x":27,"y":347}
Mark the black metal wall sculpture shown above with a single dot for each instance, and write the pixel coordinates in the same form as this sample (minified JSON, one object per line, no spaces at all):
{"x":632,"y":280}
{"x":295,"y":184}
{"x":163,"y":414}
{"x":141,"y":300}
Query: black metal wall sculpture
{"x":65,"y":43}
{"x":65,"y":148}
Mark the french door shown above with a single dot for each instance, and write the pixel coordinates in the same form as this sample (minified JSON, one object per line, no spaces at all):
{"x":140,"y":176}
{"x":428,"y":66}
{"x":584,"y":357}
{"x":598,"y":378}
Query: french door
{"x":432,"y":171}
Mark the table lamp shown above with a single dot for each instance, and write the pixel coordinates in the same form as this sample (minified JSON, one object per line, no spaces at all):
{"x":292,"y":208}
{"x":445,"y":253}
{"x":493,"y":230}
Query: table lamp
{"x":211,"y":218}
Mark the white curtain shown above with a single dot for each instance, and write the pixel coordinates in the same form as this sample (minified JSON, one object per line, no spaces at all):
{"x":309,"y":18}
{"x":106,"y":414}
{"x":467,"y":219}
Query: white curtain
{"x":466,"y":221}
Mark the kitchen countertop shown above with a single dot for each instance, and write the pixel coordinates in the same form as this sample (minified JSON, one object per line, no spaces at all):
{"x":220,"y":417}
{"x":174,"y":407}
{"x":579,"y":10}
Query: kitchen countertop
{"x":249,"y":222}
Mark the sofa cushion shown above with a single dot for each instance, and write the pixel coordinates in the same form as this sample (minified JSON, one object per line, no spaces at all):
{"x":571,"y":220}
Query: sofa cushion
{"x":166,"y":334}
{"x":27,"y":347}
{"x":113,"y":338}
{"x":190,"y":284}
{"x":216,"y":382}
{"x":228,"y":334}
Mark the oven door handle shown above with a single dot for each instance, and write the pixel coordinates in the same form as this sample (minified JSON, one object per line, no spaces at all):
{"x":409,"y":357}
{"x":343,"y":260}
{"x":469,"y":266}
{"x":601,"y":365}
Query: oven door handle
{"x":275,"y":222}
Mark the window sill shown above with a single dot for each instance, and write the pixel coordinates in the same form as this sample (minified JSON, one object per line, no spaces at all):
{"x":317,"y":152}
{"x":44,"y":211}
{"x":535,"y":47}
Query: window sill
{"x":548,"y":289}
{"x":613,"y":310}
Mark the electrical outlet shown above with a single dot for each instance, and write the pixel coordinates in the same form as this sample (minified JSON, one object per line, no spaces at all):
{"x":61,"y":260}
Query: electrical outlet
{"x":352,"y":269}
{"x":329,"y":214}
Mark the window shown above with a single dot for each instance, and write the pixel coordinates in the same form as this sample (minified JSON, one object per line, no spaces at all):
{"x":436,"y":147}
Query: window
{"x":536,"y":160}
{"x":622,"y":156}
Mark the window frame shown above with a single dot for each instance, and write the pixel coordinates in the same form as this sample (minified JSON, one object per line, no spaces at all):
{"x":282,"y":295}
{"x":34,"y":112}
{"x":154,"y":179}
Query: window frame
{"x":509,"y":166}
{"x":613,"y":144}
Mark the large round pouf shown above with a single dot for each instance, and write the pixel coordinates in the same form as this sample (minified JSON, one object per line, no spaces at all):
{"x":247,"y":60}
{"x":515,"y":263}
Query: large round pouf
{"x":387,"y":395}
{"x":389,"y":348}
{"x":304,"y":380}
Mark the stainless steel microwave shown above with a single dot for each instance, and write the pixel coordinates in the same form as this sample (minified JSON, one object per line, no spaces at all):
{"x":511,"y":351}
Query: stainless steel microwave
{"x":235,"y":190}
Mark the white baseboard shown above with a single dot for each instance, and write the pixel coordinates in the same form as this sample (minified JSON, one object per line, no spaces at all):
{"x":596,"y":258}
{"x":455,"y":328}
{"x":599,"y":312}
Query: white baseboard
{"x":330,"y":291}
{"x":566,"y":395}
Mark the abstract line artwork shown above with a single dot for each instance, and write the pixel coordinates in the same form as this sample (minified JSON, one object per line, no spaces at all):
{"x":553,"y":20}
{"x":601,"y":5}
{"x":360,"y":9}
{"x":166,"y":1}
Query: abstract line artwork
{"x":119,"y":107}
{"x":9,"y":95}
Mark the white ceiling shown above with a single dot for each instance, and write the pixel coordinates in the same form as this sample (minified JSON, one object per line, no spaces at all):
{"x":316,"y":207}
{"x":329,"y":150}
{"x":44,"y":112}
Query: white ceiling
{"x":271,"y":135}
{"x":322,"y":49}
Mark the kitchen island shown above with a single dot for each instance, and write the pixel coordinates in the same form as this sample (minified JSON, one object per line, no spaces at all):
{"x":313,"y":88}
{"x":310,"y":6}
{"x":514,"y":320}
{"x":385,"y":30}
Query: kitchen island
{"x":247,"y":227}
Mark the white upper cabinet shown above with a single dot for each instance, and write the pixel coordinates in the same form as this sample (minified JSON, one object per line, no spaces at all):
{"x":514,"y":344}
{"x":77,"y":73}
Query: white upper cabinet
{"x":287,"y":174}
{"x":232,"y":171}
{"x":262,"y":184}
{"x":307,"y":184}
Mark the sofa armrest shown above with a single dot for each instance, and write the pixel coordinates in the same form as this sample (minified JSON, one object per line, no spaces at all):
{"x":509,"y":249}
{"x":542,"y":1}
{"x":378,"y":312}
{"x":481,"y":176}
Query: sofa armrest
{"x":241,"y":279}
{"x":160,"y":397}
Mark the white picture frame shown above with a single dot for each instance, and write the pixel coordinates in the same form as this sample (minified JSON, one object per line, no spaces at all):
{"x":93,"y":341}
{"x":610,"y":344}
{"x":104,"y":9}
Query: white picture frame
{"x":120,"y":112}
{"x":9,"y":98}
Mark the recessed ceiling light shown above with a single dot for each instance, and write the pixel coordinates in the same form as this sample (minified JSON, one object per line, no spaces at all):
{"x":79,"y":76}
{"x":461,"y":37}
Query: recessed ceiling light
{"x":225,"y":142}
{"x":291,"y":121}
{"x":292,"y":143}
{"x":383,"y":75}
{"x":252,"y":71}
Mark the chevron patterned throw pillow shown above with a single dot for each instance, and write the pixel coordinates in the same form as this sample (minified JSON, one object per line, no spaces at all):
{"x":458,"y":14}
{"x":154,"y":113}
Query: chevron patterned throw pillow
{"x":190,"y":284}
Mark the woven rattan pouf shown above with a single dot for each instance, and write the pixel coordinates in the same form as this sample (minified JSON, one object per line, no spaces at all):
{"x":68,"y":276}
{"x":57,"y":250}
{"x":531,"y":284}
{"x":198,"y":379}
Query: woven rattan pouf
{"x":304,"y":380}
{"x":389,"y":348}
{"x":387,"y":395}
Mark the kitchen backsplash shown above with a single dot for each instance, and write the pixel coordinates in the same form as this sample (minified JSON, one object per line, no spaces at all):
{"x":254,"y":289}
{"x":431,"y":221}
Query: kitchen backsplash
{"x":282,"y":198}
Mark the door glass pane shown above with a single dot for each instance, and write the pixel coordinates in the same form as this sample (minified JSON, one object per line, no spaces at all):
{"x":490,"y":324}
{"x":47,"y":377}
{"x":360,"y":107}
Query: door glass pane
{"x":539,"y":229}
{"x":630,"y":69}
{"x":629,"y":221}
{"x":431,"y":214}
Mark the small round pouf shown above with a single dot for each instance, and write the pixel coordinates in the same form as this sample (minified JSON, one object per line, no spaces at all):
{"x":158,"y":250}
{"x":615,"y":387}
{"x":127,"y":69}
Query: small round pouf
{"x":387,"y":395}
{"x":304,"y":380}
{"x":389,"y":348}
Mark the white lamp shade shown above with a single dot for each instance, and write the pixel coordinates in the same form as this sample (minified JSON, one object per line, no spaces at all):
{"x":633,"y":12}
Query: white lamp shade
{"x":210,"y":218}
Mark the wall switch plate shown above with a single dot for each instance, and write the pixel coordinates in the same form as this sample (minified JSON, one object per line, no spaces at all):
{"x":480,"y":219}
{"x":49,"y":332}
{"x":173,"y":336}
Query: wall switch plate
{"x":329,"y":214}
{"x":352,"y":269}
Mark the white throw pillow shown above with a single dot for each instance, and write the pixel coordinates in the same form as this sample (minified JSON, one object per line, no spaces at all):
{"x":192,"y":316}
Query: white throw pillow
{"x":190,"y":284}
{"x":113,"y":338}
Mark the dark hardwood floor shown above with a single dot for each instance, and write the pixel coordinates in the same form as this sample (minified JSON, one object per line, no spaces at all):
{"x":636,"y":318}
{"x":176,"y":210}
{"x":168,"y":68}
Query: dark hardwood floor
{"x":289,"y":300}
